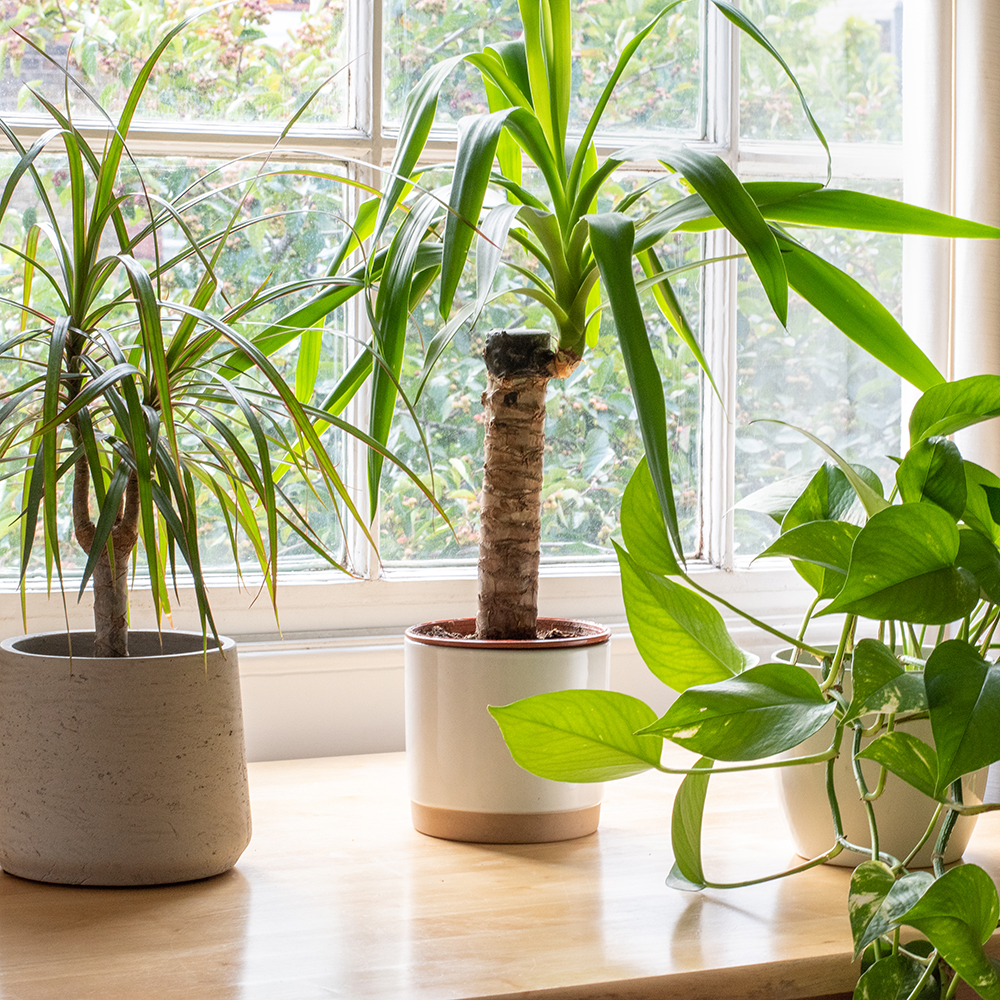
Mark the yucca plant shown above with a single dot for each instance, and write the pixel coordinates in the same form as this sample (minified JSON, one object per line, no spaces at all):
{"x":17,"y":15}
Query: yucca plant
{"x":588,"y":261}
{"x":142,"y":395}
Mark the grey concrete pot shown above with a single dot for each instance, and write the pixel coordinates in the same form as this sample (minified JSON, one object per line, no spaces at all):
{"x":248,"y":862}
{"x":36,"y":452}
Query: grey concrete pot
{"x":121,"y":771}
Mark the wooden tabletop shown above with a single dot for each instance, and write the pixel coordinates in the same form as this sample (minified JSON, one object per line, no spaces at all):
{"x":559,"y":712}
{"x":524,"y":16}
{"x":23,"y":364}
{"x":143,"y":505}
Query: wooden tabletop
{"x":337,"y":896}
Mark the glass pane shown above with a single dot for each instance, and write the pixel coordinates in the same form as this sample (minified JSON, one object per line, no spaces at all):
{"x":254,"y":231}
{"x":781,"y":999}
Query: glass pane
{"x":250,"y":61}
{"x":592,"y":439}
{"x":660,"y":92}
{"x":846,"y":54}
{"x":283,"y":234}
{"x":812,"y":376}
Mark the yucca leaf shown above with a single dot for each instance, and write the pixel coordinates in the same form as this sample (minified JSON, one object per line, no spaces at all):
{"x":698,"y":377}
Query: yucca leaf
{"x":611,"y":237}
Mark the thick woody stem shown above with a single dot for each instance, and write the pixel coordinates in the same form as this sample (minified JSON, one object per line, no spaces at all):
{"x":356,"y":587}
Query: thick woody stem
{"x":519,"y":365}
{"x":110,"y":582}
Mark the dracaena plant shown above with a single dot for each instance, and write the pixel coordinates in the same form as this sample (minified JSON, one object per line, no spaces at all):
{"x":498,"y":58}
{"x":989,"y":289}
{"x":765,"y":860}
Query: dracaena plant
{"x":587,"y":261}
{"x":133,"y":371}
{"x":920,"y":569}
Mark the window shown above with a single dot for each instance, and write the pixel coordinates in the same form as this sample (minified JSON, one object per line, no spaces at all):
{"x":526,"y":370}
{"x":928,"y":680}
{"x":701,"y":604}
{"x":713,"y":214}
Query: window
{"x":235,"y":76}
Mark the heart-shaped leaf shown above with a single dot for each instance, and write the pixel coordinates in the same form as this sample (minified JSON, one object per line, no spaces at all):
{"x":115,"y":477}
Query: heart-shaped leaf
{"x":963,"y":695}
{"x":908,"y":758}
{"x":643,"y":528}
{"x":978,"y":512}
{"x":950,"y":406}
{"x":680,"y":636}
{"x":933,"y":470}
{"x":831,"y":497}
{"x":978,"y":554}
{"x":579,"y":735}
{"x":763,"y":711}
{"x":881,"y":684}
{"x":900,"y":898}
{"x":871,"y":882}
{"x":891,"y":978}
{"x":958,"y":914}
{"x":903,"y":567}
{"x":685,"y":830}
{"x":824,"y":545}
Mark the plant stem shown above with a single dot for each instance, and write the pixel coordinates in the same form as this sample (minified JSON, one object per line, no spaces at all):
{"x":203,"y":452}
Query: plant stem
{"x":923,"y":840}
{"x":838,"y":660}
{"x":820,"y":654}
{"x":822,"y":859}
{"x":817,"y":758}
{"x":925,"y":975}
{"x":937,"y":858}
{"x":863,"y":789}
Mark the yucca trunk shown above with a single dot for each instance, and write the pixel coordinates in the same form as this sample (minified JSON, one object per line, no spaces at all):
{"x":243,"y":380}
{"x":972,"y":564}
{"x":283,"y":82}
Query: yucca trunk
{"x":519,"y":365}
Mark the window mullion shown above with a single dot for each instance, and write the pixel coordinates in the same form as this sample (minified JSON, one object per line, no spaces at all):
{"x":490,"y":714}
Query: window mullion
{"x":719,"y":307}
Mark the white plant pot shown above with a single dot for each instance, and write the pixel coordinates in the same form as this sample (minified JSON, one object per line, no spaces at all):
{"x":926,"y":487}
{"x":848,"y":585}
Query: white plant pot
{"x":901,"y":812}
{"x":121,"y":771}
{"x":464,"y":785}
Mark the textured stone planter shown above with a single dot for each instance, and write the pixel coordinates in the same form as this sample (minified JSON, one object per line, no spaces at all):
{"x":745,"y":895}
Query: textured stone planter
{"x":902,"y":813}
{"x":464,"y":785}
{"x":121,"y":771}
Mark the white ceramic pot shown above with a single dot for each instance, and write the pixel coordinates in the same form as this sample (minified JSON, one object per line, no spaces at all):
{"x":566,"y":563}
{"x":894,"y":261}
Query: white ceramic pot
{"x":464,"y":785}
{"x":121,"y":771}
{"x":901,"y":812}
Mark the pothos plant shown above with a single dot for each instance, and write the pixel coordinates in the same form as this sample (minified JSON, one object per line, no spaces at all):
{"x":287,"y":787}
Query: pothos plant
{"x":137,"y":373}
{"x":922,"y":567}
{"x":582,"y":260}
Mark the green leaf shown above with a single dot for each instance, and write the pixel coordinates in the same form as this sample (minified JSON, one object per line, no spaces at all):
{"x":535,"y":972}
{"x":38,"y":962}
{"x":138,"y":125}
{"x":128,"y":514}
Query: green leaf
{"x":978,"y":554}
{"x":978,"y":511}
{"x":709,"y":175}
{"x":901,"y":896}
{"x":908,"y":758}
{"x":944,"y":409}
{"x":933,"y":470}
{"x":418,"y":117}
{"x":680,"y":636}
{"x":763,"y":711}
{"x":871,"y":882}
{"x":867,"y":212}
{"x":824,"y":545}
{"x":963,"y":695}
{"x":478,"y":136}
{"x":880,"y":684}
{"x":611,"y":239}
{"x":685,"y":830}
{"x":856,"y":313}
{"x":893,"y":977}
{"x":830,"y":496}
{"x":903,"y":567}
{"x":737,"y":17}
{"x":958,"y":915}
{"x":579,"y":735}
{"x":642,"y":526}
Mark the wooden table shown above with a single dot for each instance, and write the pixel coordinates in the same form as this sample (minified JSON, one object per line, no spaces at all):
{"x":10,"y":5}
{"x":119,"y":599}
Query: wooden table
{"x":337,"y":896}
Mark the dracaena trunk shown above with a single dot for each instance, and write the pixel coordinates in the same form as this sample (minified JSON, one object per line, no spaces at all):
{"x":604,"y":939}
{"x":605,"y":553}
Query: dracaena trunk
{"x":110,"y":578}
{"x":519,"y":365}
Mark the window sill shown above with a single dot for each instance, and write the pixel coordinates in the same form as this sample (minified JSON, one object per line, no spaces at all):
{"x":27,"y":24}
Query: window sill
{"x":337,"y":895}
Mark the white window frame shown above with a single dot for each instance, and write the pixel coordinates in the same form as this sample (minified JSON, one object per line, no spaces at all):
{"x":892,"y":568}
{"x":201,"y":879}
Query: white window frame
{"x":366,"y":616}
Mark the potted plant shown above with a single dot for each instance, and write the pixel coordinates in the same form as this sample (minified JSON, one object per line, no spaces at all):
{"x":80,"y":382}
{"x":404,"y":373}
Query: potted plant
{"x":130,"y":399}
{"x":581,"y":261}
{"x":923,"y":568}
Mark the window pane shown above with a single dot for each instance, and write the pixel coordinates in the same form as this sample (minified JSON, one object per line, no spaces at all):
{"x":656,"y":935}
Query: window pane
{"x":283,"y":233}
{"x":846,"y":54}
{"x":592,"y":442}
{"x":812,"y":376}
{"x":661,"y":91}
{"x":249,"y":61}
